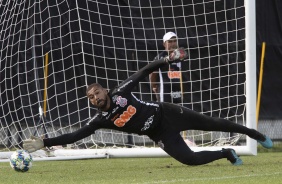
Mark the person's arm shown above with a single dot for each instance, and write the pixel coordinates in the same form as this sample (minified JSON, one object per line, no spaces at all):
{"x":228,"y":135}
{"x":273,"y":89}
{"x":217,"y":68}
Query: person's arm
{"x":36,"y":143}
{"x":177,"y":55}
{"x":69,"y":138}
{"x":134,"y":79}
{"x":155,"y":82}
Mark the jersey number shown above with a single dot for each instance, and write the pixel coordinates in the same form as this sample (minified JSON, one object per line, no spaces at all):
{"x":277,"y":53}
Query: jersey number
{"x":125,"y":116}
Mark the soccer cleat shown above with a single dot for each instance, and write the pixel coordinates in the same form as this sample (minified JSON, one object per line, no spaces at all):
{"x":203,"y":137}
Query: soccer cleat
{"x":232,"y":156}
{"x":267,"y":143}
{"x":178,"y":54}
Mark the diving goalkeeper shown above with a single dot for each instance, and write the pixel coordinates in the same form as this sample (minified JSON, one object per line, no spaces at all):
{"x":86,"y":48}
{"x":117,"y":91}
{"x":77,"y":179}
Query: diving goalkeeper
{"x":120,"y":110}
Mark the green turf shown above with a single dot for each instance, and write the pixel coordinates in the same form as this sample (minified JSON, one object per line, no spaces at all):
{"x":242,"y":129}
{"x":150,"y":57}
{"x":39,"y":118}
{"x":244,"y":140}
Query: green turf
{"x":263,"y":168}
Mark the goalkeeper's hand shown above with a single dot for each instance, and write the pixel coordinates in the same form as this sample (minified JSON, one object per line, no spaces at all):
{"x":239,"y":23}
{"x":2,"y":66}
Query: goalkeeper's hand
{"x":176,"y":55}
{"x":33,"y":144}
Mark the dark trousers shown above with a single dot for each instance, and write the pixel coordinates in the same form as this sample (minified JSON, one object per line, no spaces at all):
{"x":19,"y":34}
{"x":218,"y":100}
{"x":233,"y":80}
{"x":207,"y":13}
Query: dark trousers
{"x":176,"y":118}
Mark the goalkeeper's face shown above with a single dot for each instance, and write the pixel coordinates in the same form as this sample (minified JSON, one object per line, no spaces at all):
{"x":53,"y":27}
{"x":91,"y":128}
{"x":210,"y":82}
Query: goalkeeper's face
{"x":171,"y":44}
{"x":98,"y":96}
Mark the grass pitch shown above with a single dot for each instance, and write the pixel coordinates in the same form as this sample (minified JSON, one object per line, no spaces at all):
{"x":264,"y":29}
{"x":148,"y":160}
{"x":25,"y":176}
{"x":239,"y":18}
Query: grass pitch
{"x":261,"y":169}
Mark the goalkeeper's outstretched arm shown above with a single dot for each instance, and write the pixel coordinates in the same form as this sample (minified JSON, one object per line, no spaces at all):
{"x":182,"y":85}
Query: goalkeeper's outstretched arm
{"x":36,"y":143}
{"x":176,"y":56}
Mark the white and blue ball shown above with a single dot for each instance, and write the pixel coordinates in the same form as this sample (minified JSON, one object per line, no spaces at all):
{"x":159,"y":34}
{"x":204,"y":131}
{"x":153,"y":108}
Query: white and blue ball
{"x":21,"y":160}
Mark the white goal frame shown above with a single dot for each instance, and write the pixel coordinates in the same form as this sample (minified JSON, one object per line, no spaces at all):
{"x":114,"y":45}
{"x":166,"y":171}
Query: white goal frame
{"x":249,"y":149}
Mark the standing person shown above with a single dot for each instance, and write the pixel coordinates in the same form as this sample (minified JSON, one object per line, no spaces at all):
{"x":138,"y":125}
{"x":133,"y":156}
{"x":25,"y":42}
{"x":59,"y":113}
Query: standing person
{"x":166,"y":82}
{"x":120,"y":110}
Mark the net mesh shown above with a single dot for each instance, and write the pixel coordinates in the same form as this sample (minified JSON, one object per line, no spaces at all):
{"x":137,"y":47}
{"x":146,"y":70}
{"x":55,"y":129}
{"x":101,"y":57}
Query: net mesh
{"x":52,"y":50}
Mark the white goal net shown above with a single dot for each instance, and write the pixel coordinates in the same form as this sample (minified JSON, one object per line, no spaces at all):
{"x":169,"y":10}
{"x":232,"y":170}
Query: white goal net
{"x":50,"y":51}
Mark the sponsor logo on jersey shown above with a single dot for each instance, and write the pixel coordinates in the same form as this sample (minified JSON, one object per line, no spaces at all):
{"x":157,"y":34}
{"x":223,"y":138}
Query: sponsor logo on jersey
{"x":174,"y":74}
{"x":115,"y":109}
{"x":148,"y":123}
{"x":115,"y":117}
{"x":109,"y":115}
{"x":121,"y":101}
{"x":125,"y":116}
{"x":104,"y":113}
{"x":114,"y":98}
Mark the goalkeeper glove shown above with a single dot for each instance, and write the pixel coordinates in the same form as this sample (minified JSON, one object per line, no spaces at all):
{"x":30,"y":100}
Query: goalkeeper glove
{"x":33,"y":144}
{"x":177,"y":54}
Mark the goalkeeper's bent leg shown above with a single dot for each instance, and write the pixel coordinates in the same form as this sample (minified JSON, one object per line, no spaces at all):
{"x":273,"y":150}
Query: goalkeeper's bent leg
{"x":174,"y":145}
{"x":181,"y":118}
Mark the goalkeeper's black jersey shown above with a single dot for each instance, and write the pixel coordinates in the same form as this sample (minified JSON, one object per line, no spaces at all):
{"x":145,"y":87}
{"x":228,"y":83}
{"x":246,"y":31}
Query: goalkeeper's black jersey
{"x":126,"y":113}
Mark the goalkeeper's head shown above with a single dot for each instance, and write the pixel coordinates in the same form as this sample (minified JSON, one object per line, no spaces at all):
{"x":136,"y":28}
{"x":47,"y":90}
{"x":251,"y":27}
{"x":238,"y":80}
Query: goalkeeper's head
{"x":98,"y":96}
{"x":170,"y":42}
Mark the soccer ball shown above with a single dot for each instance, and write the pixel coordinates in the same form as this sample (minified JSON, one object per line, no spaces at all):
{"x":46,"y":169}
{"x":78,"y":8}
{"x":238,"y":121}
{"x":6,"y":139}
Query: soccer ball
{"x":21,"y":160}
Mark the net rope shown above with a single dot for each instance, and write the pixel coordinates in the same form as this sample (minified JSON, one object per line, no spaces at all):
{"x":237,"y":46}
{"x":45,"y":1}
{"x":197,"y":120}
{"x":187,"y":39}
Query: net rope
{"x":91,"y":41}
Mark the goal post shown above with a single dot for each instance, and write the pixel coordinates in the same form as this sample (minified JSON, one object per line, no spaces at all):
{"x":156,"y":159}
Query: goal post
{"x":73,"y":44}
{"x":251,"y":72}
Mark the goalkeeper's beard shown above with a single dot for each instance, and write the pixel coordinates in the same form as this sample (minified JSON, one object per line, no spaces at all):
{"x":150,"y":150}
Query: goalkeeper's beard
{"x":103,"y":104}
